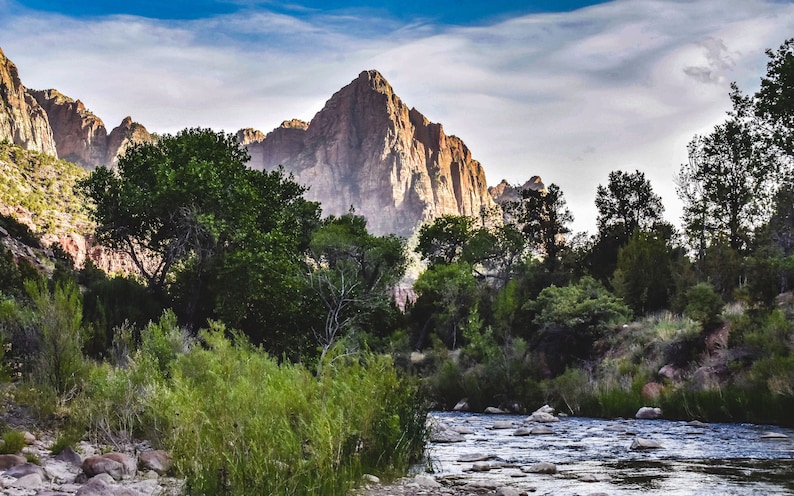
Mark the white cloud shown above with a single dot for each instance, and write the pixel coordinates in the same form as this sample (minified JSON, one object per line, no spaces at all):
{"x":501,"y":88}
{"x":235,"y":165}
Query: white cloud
{"x":568,"y":96}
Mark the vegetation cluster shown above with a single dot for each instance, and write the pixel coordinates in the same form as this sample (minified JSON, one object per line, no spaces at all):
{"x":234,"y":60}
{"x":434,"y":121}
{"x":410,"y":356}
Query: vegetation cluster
{"x":261,"y":343}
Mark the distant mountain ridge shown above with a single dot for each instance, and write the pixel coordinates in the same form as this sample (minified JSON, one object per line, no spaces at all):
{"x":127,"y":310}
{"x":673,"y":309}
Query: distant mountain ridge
{"x":364,"y":149}
{"x":52,"y":123}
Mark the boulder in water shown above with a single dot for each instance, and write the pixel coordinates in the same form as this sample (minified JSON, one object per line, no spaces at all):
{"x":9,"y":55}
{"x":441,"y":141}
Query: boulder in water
{"x":540,"y":468}
{"x":641,"y":443}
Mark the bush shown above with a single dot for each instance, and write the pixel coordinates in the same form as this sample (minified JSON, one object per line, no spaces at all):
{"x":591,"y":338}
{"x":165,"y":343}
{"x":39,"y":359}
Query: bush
{"x":59,"y":363}
{"x":13,"y":442}
{"x":704,"y":305}
{"x":240,"y":423}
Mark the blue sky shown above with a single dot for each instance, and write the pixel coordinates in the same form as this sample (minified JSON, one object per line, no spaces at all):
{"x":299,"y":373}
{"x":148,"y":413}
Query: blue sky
{"x":566,"y":90}
{"x":461,"y":12}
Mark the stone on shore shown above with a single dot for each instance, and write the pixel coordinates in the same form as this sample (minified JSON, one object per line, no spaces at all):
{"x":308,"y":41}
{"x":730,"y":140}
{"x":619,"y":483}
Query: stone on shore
{"x":157,"y":460}
{"x":8,"y":461}
{"x":648,"y":413}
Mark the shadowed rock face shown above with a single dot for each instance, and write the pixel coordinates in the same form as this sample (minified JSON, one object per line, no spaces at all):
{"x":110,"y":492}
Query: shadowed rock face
{"x":22,"y":120}
{"x":368,"y":150}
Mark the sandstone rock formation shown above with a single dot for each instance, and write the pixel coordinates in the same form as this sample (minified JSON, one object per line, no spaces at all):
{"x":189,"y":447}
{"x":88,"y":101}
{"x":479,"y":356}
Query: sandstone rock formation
{"x":368,"y":150}
{"x":22,"y":120}
{"x":505,"y":192}
{"x":124,"y":135}
{"x":80,"y":136}
{"x":49,"y":122}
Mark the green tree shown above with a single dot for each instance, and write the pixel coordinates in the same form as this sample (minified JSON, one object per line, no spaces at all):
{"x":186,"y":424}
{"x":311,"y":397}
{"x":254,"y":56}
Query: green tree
{"x":644,"y":277}
{"x":218,"y":238}
{"x":726,"y":184}
{"x":543,"y":218}
{"x":352,"y":273}
{"x":572,"y":318}
{"x":444,"y":240}
{"x":774,"y":101}
{"x":627,"y":202}
{"x":450,"y":291}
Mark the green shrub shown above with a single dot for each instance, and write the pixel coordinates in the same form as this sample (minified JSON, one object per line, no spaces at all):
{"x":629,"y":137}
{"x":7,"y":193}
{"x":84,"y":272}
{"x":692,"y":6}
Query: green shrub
{"x":238,"y":422}
{"x":13,"y":442}
{"x":704,"y":305}
{"x":59,"y":361}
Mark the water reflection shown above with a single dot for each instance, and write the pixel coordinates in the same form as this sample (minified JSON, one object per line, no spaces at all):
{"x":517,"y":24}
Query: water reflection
{"x":593,"y":456}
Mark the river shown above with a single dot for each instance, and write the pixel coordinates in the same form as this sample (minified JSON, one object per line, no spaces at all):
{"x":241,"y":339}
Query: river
{"x":594,"y":456}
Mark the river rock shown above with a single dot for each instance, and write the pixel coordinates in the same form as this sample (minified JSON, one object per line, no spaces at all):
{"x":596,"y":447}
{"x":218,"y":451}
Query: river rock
{"x":595,"y":478}
{"x":157,"y":460}
{"x":481,"y":467}
{"x":540,"y":430}
{"x":641,"y":443}
{"x":426,"y":481}
{"x":102,"y":485}
{"x":542,"y":417}
{"x":545,"y":409}
{"x":648,"y":413}
{"x":19,"y":471}
{"x":462,"y":406}
{"x":8,"y":461}
{"x":372,"y":479}
{"x":474,"y":457}
{"x":502,"y":424}
{"x":508,"y":491}
{"x":60,"y":472}
{"x":29,"y":438}
{"x":522,"y":431}
{"x":541,"y":468}
{"x":773,"y":435}
{"x":492,"y":410}
{"x":69,"y":455}
{"x":440,"y":433}
{"x":97,"y":465}
{"x":30,"y":481}
{"x":697,"y":423}
{"x":462,"y":429}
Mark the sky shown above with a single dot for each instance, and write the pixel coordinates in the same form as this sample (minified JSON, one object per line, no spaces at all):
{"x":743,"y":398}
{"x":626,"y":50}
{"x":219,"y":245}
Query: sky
{"x":568,"y":90}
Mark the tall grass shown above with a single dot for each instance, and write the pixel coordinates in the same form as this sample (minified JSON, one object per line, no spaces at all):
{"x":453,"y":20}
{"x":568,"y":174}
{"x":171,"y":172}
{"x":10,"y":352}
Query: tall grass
{"x":238,"y":422}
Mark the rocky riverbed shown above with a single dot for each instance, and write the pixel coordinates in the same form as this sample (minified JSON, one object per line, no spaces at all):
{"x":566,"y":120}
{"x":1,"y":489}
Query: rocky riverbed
{"x":505,"y":455}
{"x":513,"y":455}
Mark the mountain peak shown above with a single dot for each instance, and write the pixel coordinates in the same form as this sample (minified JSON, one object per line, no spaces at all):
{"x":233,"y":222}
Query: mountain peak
{"x":367,"y":149}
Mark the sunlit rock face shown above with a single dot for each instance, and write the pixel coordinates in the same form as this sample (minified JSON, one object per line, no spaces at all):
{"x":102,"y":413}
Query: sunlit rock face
{"x":81,"y":136}
{"x":22,"y":120}
{"x":368,"y":150}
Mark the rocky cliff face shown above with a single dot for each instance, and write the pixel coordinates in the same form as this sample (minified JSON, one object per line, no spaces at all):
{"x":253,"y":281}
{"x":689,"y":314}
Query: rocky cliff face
{"x":505,"y":192}
{"x":368,"y":150}
{"x":81,"y":137}
{"x":124,"y":135}
{"x":22,"y":120}
{"x":52,"y":123}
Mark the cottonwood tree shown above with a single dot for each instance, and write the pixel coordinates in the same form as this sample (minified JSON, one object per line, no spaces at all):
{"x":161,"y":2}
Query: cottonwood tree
{"x":352,"y":274}
{"x":217,"y":238}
